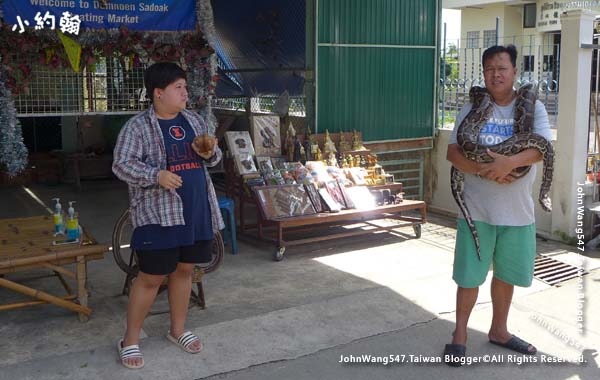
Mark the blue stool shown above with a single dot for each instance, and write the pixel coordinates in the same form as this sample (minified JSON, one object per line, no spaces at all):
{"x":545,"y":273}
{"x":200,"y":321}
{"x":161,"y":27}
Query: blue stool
{"x":226,"y":204}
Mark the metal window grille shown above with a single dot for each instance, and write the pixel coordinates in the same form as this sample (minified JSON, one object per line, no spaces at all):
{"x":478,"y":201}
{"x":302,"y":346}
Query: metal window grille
{"x":489,"y":38}
{"x":472,"y":40}
{"x":112,"y":86}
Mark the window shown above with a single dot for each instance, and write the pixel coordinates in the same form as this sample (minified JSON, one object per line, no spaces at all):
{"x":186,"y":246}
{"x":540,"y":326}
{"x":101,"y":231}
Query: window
{"x":528,"y":63}
{"x":472,"y":40}
{"x":489,"y":38}
{"x":529,"y":11}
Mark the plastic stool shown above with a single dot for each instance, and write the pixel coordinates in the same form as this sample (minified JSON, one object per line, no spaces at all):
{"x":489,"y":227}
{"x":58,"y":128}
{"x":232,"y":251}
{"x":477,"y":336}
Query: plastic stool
{"x":226,"y":204}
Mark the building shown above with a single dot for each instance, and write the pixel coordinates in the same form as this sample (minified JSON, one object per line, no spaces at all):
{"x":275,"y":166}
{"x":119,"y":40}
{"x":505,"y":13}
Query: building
{"x":532,"y":26}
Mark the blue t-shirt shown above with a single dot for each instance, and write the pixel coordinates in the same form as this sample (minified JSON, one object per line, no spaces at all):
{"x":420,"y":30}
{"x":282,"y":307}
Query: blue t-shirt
{"x":178,"y":136}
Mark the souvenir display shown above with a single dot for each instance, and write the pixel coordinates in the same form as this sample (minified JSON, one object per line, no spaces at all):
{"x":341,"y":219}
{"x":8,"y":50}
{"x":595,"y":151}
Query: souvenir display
{"x":331,"y":204}
{"x":244,"y":164}
{"x":264,"y":164}
{"x":239,"y":143}
{"x":313,"y":195}
{"x":334,"y":190}
{"x":265,"y":132}
{"x":361,"y":197}
{"x":283,"y":201}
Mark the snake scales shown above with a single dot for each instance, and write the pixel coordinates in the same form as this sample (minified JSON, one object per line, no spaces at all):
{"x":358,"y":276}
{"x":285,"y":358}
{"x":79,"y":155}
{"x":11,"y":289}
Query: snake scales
{"x":523,"y":138}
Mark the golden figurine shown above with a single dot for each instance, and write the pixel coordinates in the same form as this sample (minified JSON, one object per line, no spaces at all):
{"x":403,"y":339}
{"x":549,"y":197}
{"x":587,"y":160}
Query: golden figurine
{"x":318,"y":154}
{"x":329,"y":146}
{"x":357,"y":161}
{"x":356,"y":143}
{"x":350,"y":160}
{"x":289,"y":142}
{"x":332,"y":160}
{"x":343,"y":144}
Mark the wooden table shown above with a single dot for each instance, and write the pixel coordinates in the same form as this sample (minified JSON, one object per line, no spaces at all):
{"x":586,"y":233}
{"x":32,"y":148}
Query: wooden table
{"x":320,"y":220}
{"x":26,"y":244}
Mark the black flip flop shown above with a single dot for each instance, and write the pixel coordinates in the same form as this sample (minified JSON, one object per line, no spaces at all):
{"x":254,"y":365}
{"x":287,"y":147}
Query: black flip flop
{"x":518,"y":345}
{"x":454,"y":354}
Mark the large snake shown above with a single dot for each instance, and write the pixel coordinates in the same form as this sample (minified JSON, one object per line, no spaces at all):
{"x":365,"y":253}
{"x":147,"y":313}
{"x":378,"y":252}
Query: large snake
{"x":522,"y":138}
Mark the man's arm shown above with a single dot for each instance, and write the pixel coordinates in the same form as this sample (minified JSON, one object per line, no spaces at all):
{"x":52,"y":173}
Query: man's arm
{"x":500,"y":169}
{"x":456,"y":156}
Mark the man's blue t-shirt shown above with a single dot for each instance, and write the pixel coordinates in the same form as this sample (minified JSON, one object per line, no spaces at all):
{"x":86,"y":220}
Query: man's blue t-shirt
{"x":178,"y":136}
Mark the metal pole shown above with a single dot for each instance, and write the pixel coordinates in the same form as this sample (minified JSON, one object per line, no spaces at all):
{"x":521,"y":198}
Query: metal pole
{"x":443,"y":86}
{"x":497,"y":28}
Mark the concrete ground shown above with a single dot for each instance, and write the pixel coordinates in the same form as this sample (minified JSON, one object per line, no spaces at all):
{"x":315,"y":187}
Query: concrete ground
{"x":381,"y":295}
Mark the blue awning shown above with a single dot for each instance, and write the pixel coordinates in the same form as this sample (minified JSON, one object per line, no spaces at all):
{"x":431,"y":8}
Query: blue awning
{"x":261,"y":47}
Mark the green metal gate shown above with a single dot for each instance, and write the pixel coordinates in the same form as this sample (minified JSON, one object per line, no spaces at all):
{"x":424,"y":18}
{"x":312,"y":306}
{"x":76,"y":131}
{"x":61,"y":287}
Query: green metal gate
{"x":376,"y":67}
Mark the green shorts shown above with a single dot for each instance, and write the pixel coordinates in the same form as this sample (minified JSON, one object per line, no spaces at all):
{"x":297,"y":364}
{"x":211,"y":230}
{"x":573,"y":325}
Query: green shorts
{"x":510,"y":249}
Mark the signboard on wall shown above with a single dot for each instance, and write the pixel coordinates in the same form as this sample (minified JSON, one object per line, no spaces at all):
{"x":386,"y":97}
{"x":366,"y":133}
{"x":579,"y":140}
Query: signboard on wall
{"x":548,"y":12}
{"x":155,"y":15}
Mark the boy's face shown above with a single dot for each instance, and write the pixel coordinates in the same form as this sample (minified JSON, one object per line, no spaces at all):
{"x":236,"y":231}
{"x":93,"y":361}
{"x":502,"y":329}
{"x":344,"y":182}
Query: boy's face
{"x":499,"y":75}
{"x":174,"y":96}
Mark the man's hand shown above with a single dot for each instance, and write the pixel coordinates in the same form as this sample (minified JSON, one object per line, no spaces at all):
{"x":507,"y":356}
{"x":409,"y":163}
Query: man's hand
{"x":169,"y":180}
{"x":204,"y":146}
{"x":498,"y":170}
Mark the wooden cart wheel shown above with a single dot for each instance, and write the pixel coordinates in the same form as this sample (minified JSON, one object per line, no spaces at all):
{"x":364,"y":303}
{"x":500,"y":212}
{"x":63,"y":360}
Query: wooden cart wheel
{"x":126,"y":258}
{"x":278,"y":255}
{"x":417,"y":229}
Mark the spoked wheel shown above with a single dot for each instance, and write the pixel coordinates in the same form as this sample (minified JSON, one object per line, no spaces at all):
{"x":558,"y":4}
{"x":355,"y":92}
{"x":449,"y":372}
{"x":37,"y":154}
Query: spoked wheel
{"x":126,"y":258}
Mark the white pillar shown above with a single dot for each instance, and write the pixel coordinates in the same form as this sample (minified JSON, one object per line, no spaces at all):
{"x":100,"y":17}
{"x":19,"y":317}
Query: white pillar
{"x":573,"y":119}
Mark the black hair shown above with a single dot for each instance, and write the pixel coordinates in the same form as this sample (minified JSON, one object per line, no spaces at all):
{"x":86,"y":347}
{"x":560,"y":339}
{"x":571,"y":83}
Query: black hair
{"x":160,"y":75}
{"x":511,"y":50}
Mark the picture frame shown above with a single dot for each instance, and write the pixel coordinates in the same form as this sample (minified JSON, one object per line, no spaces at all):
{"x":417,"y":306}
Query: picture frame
{"x":347,"y":200}
{"x":283,"y":201}
{"x":244,"y":164}
{"x":264,"y":164}
{"x":358,"y":176}
{"x":239,"y":142}
{"x":361,"y":197}
{"x":313,"y":195}
{"x":331,"y":204}
{"x":266,"y":135}
{"x":334,"y":191}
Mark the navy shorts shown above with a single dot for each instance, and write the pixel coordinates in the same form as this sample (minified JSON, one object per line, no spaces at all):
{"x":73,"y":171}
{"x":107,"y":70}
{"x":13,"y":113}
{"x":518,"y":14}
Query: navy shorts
{"x":164,"y":261}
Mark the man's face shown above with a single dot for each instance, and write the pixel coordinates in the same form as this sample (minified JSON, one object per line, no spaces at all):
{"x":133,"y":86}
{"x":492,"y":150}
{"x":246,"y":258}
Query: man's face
{"x":499,"y":75}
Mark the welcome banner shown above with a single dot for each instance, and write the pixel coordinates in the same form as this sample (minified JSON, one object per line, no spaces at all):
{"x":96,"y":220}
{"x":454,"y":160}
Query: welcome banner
{"x":154,"y":15}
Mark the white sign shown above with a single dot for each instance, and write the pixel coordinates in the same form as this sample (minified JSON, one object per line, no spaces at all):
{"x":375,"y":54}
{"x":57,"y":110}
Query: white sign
{"x":548,"y":12}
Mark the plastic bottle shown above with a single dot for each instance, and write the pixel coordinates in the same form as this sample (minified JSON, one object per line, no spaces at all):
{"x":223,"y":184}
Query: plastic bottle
{"x":72,"y":223}
{"x":59,"y":221}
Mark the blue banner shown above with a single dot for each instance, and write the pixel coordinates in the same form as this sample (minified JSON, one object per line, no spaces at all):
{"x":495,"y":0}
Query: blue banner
{"x":154,"y":15}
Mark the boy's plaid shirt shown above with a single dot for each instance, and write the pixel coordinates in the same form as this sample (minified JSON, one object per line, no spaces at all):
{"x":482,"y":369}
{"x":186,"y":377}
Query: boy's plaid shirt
{"x":138,"y":157}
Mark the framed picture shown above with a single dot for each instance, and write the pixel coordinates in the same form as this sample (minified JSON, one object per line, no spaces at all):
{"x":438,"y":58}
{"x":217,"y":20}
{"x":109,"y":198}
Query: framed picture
{"x":266,"y":135}
{"x":347,"y":200}
{"x":283,"y":201}
{"x":358,"y":176}
{"x":264,"y":164}
{"x":278,"y":162}
{"x":334,"y":190}
{"x":244,"y":164}
{"x":331,"y":204}
{"x":313,"y":195}
{"x":239,"y":143}
{"x":361,"y":197}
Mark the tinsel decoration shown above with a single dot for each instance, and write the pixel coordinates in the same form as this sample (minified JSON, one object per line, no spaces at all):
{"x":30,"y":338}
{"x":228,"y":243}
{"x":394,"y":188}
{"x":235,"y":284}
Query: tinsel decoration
{"x":13,"y":152}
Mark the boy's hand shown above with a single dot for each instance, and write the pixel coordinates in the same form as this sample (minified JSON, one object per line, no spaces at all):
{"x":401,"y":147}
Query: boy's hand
{"x":169,"y":180}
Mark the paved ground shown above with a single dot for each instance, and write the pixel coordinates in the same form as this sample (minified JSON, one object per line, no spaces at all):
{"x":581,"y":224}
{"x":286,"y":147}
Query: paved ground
{"x":388,"y":294}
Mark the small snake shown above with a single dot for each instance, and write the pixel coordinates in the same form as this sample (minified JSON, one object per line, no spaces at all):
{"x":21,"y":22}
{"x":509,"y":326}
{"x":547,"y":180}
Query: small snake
{"x":523,"y":138}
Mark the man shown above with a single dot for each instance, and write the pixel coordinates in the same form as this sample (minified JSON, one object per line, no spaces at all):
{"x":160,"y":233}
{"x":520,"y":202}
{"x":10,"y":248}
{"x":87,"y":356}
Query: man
{"x":502,"y":209}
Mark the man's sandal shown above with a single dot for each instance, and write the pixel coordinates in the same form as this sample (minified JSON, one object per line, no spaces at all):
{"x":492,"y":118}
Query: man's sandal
{"x":129,"y":352}
{"x":184,"y":341}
